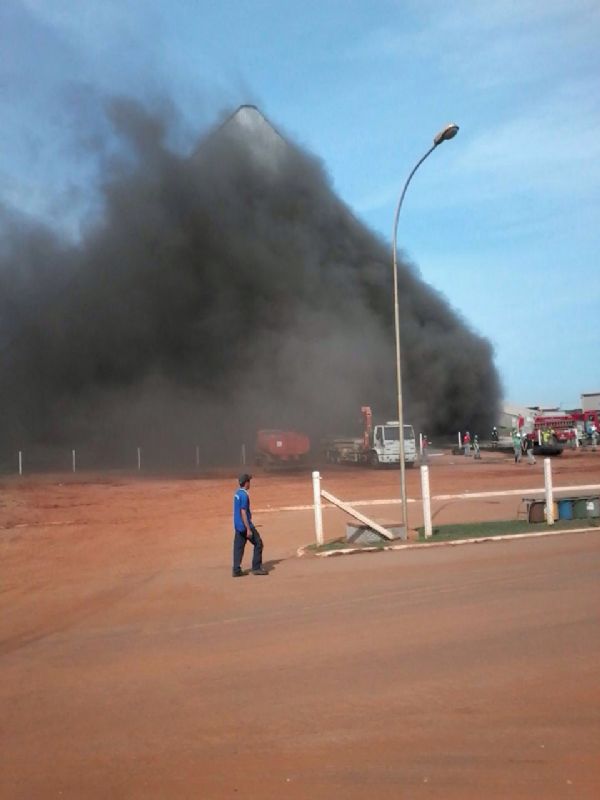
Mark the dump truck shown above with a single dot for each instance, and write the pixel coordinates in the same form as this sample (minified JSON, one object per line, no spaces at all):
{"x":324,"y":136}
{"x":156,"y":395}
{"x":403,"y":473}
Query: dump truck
{"x":276,"y":449}
{"x":379,"y":444}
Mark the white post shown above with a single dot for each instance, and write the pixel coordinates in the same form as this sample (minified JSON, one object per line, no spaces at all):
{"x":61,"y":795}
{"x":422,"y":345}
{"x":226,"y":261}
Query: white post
{"x":540,"y":437}
{"x":421,"y":444}
{"x":426,"y":501}
{"x":576,"y":439}
{"x":316,"y":479}
{"x":460,"y":444}
{"x":74,"y":460}
{"x":139,"y":455}
{"x":20,"y":462}
{"x":244,"y":454}
{"x":548,"y":490}
{"x":197,"y":455}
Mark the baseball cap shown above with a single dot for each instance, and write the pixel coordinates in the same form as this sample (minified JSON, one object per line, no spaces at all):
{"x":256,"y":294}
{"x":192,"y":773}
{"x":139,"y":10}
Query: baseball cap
{"x":244,"y":477}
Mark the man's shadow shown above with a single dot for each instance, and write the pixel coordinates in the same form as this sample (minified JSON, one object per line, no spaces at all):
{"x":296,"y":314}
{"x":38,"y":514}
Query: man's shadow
{"x":271,"y":565}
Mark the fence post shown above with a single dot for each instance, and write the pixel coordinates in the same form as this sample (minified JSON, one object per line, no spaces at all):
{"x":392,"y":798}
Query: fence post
{"x":197,"y":455}
{"x":459,"y":440}
{"x":139,"y":457}
{"x":426,"y":494}
{"x":74,"y":460}
{"x":20,"y":462}
{"x":244,"y":454}
{"x":548,"y":491}
{"x":316,"y":479}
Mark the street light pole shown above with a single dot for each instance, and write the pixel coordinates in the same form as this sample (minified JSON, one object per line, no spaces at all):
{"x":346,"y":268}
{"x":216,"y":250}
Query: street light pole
{"x":449,"y":132}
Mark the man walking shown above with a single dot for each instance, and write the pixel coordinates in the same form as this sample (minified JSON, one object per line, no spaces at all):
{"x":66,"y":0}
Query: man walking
{"x":516,"y":439}
{"x":244,"y":531}
{"x":467,"y":443}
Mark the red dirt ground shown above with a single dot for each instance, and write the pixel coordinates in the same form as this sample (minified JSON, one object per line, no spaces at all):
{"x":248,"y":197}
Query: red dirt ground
{"x":133,"y":666}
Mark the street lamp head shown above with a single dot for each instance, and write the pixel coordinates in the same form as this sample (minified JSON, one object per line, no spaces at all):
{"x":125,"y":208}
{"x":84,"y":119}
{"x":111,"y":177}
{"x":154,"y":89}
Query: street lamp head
{"x":449,"y":132}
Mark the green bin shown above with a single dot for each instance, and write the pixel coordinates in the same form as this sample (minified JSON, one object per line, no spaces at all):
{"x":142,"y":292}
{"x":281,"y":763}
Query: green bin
{"x":580,"y":508}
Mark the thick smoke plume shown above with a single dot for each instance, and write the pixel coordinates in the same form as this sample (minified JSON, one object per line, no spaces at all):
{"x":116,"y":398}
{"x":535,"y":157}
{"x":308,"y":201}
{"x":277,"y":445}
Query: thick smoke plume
{"x":222,"y":291}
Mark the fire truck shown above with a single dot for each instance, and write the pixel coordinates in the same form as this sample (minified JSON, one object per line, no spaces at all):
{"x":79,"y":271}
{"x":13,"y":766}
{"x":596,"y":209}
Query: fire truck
{"x":550,"y":428}
{"x":561,"y":428}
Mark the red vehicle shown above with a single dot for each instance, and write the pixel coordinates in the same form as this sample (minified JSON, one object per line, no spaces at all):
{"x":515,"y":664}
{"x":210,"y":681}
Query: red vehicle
{"x":281,"y":448}
{"x":587,"y":423}
{"x":551,"y":429}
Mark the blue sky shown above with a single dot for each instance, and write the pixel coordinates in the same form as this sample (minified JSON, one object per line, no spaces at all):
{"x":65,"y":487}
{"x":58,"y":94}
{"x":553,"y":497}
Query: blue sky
{"x":503,"y":220}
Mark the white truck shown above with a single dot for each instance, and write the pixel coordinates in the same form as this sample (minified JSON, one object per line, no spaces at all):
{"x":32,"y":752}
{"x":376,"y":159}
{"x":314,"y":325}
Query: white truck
{"x":379,"y":445}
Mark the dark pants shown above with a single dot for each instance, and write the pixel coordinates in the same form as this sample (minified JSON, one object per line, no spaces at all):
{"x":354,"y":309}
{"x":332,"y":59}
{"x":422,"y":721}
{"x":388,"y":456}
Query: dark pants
{"x":239,"y":545}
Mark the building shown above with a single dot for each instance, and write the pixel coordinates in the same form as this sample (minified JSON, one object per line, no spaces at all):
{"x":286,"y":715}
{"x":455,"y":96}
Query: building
{"x":590,"y":401}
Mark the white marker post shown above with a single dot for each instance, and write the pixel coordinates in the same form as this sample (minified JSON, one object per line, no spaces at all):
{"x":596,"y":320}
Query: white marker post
{"x":316,"y":479}
{"x":20,"y":462}
{"x":540,"y":437}
{"x":197,"y":455}
{"x":421,"y":445}
{"x":460,"y":444}
{"x":139,"y":455}
{"x":74,"y":460}
{"x":426,"y":501}
{"x":548,"y":491}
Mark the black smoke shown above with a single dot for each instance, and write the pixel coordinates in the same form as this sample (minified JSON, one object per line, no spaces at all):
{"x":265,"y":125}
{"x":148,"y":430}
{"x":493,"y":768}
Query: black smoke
{"x":219,"y":292}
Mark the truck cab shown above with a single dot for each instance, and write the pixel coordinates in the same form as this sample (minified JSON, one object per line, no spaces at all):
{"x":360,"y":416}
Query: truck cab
{"x":385,"y":448}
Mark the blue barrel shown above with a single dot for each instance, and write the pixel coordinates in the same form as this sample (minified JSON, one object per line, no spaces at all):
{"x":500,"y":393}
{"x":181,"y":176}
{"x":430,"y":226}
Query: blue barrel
{"x":565,"y":509}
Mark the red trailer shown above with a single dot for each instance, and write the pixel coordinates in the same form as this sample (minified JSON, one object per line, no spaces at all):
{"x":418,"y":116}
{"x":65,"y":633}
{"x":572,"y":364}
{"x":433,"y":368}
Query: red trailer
{"x":281,"y":448}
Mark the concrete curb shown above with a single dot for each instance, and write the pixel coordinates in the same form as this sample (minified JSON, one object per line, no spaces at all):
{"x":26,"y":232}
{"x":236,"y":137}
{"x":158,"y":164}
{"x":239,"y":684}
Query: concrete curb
{"x":348,"y":551}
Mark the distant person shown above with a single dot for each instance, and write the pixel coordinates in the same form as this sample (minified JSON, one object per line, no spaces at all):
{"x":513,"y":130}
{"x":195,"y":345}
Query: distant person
{"x":494,"y":437}
{"x":244,"y":530}
{"x":424,"y":449}
{"x":594,"y":439}
{"x":530,"y":456}
{"x":467,"y":443}
{"x":516,"y":440}
{"x":476,"y":448}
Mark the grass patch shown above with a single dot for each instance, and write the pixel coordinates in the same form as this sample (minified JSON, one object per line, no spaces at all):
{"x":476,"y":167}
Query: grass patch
{"x":470,"y":530}
{"x":475,"y":530}
{"x":342,"y":544}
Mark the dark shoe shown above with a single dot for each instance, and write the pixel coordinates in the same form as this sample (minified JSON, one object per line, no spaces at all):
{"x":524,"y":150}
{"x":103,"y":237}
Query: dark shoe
{"x":238,"y":573}
{"x":260,"y":571}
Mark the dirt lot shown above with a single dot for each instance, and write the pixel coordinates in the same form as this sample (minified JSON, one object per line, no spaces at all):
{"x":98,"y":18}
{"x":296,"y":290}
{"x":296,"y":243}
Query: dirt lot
{"x":133,"y":666}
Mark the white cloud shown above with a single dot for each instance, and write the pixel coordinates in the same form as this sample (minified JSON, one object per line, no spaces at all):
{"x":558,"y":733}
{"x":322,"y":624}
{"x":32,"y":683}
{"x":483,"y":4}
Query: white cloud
{"x":524,"y":79}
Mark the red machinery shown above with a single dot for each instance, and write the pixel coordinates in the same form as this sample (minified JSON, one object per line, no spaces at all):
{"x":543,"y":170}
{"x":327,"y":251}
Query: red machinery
{"x":367,"y":425}
{"x":281,"y":448}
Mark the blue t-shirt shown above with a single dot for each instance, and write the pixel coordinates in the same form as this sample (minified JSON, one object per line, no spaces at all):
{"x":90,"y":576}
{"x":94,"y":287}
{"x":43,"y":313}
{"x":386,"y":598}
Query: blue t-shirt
{"x":241,"y":499}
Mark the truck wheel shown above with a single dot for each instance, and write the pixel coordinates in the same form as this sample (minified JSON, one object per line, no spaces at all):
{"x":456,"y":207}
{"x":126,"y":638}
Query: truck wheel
{"x":374,"y":460}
